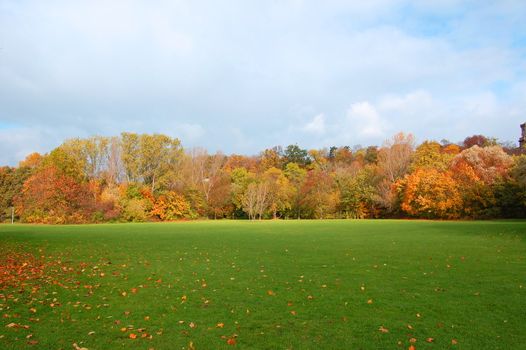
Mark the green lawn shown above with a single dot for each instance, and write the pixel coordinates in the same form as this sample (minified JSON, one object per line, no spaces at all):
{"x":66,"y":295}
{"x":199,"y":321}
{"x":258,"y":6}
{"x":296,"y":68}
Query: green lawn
{"x":270,"y":285}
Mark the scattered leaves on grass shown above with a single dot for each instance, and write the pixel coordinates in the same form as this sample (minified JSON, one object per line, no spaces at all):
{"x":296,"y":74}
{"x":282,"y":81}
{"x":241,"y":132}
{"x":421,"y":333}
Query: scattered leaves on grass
{"x":220,"y":325}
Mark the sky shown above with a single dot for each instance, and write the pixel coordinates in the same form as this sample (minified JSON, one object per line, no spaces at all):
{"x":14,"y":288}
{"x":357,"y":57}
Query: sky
{"x":240,"y":76}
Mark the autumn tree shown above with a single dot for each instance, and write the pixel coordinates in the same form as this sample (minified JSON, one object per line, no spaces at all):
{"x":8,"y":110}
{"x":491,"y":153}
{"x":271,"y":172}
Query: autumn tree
{"x":280,"y":191}
{"x":429,"y":154}
{"x":296,"y":176}
{"x":52,"y":196}
{"x":394,"y":160}
{"x":271,"y":158}
{"x":478,"y":170}
{"x":318,"y":199}
{"x":356,"y":192}
{"x":430,"y":193}
{"x":150,"y":159}
{"x":11,"y":184}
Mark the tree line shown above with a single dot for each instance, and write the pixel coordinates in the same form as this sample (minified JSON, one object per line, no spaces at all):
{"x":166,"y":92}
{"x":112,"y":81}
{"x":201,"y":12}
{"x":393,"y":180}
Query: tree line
{"x":150,"y":177}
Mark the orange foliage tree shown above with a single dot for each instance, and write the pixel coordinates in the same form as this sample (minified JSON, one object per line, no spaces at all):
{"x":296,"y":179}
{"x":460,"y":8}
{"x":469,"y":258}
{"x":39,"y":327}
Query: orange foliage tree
{"x":430,"y":193}
{"x":171,"y":206}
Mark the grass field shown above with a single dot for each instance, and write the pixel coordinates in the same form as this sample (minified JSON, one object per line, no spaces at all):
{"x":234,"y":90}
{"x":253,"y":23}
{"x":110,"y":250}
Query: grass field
{"x":264,"y":285}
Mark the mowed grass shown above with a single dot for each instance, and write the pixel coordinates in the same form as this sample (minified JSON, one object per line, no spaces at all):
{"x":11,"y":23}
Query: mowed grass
{"x":270,"y":285}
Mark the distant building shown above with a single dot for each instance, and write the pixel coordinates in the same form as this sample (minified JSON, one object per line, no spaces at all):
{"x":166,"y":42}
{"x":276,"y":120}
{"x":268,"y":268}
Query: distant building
{"x":522,"y":140}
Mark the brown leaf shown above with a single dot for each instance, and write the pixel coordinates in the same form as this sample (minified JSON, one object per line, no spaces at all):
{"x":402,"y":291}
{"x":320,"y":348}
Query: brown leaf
{"x":430,"y":340}
{"x":383,"y":329}
{"x":78,"y":347}
{"x":220,"y":325}
{"x":231,"y":341}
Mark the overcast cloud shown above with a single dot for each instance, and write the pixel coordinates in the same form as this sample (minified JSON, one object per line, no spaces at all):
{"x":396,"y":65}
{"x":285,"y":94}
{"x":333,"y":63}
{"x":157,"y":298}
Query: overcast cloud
{"x":240,"y":76}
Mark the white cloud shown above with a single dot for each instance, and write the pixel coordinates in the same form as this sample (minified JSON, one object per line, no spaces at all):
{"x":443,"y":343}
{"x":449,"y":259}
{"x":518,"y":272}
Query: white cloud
{"x":364,"y":118}
{"x":316,"y":125}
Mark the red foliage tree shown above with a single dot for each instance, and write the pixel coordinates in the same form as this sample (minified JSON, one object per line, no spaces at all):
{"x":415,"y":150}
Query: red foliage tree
{"x":50,"y":196}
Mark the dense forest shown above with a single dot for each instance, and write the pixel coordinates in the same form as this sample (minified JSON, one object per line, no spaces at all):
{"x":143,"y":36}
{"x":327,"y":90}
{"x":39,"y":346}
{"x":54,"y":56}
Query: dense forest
{"x":144,"y":177}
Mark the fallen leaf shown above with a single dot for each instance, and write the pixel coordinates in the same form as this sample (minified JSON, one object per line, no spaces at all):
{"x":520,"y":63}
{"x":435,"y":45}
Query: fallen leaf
{"x":370,"y":301}
{"x":133,"y":335}
{"x":220,"y":325}
{"x":78,"y":347}
{"x":409,"y":326}
{"x":383,"y":329}
{"x":231,"y":341}
{"x":454,"y":342}
{"x":412,"y":347}
{"x":430,"y":340}
{"x":192,"y":325}
{"x":270,"y":292}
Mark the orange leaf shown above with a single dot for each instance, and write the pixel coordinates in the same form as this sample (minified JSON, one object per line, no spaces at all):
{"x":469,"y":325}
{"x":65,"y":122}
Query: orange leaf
{"x":412,"y":347}
{"x":231,"y":341}
{"x":133,"y":335}
{"x":220,"y":325}
{"x":270,"y":292}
